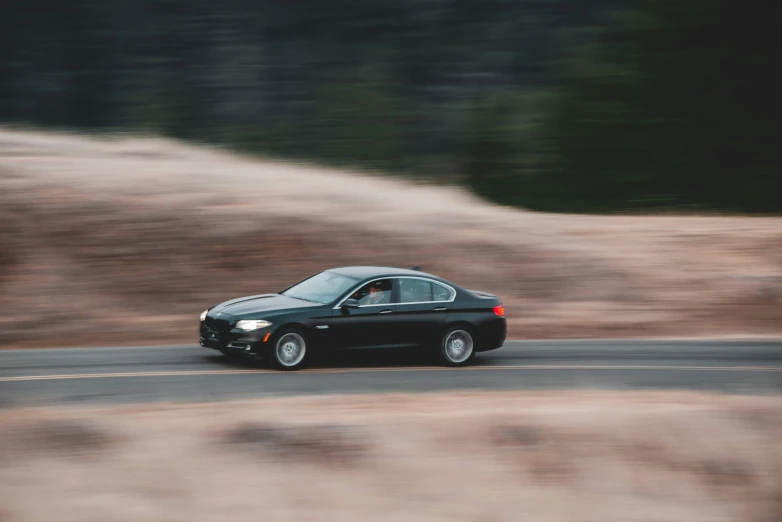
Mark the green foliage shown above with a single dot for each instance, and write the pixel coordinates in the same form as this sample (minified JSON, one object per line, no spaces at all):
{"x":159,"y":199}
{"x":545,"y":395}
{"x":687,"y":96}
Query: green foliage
{"x":359,"y":122}
{"x":681,"y":110}
{"x":564,"y":105}
{"x":506,"y":143}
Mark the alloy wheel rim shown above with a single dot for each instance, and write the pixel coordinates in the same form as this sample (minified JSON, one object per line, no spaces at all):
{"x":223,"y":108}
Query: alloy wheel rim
{"x":290,"y":349}
{"x":458,"y":346}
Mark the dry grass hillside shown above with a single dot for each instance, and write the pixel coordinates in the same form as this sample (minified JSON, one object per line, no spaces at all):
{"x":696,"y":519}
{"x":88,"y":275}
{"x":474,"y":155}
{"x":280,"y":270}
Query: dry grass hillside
{"x":110,"y":241}
{"x":476,"y":457}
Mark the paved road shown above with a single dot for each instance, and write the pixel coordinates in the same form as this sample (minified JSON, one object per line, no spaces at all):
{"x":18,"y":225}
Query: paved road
{"x":192,"y":373}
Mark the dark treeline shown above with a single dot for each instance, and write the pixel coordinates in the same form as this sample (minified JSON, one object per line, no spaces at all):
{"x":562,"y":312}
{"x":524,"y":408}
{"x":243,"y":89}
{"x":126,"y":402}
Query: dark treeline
{"x":568,"y":105}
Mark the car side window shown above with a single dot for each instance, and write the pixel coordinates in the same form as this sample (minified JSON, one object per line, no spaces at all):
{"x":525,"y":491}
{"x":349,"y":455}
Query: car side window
{"x":374,"y":293}
{"x":414,"y":291}
{"x":441,"y":293}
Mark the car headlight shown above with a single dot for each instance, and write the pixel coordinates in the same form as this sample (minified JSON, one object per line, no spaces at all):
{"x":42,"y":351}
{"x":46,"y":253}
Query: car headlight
{"x":250,"y":325}
{"x":203,"y":315}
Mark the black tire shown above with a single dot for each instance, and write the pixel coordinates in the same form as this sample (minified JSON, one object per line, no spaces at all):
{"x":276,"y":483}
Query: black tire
{"x":457,"y":347}
{"x":283,"y":351}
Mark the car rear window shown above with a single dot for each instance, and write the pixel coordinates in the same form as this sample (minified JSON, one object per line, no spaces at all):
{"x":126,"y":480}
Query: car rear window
{"x":413,"y":290}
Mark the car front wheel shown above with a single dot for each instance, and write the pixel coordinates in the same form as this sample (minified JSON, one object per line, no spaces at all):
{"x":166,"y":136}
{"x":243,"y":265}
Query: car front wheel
{"x":289,"y":351}
{"x":456,"y":347}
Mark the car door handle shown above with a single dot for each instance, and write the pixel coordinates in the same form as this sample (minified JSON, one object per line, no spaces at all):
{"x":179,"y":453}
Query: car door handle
{"x":386,"y":311}
{"x":440,"y":309}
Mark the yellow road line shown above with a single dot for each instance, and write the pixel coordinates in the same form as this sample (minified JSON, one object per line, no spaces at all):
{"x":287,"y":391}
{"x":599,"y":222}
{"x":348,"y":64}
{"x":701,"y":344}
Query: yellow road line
{"x":549,"y":367}
{"x":402,"y":369}
{"x":128,"y":374}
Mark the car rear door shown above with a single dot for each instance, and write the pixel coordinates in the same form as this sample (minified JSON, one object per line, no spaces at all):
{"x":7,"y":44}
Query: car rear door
{"x":421,"y":310}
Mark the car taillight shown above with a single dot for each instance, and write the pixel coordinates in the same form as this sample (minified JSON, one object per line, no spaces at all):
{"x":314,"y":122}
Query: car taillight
{"x":499,"y":310}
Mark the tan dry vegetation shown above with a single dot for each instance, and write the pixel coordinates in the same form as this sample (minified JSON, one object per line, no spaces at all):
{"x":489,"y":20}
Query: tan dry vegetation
{"x":566,"y":456}
{"x":109,"y":241}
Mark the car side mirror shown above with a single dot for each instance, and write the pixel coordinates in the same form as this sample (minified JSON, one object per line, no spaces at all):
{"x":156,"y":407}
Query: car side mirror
{"x":350,"y":303}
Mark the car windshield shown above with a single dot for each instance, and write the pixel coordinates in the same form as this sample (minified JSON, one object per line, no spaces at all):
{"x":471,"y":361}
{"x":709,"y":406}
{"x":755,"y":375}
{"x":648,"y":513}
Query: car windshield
{"x":321,"y":288}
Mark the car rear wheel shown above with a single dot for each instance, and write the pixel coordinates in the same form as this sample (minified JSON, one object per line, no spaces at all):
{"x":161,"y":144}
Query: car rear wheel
{"x":457,"y":347}
{"x":289,"y":350}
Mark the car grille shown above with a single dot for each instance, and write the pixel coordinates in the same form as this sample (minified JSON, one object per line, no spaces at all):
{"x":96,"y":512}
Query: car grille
{"x":220,"y":324}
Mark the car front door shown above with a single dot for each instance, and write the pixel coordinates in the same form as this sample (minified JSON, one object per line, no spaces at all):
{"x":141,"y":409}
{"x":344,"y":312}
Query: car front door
{"x":422,"y":307}
{"x":371,"y":325}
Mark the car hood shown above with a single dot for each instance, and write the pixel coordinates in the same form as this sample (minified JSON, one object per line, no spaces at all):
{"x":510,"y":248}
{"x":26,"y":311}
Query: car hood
{"x":258,"y":304}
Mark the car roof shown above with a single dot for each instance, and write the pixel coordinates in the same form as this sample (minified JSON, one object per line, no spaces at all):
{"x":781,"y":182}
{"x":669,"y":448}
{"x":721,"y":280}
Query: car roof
{"x":365,"y":272}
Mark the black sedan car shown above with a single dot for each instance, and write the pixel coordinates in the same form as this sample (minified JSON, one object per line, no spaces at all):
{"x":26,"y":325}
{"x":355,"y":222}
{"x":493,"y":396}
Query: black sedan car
{"x":358,"y":307}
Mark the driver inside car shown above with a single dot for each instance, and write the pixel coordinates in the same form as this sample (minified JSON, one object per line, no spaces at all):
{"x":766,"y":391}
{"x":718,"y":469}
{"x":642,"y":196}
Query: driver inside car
{"x":373,"y":294}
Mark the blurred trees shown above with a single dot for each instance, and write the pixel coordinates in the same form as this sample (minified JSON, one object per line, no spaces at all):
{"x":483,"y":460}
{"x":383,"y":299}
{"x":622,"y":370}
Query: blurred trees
{"x":550,"y":104}
{"x":677,"y":107}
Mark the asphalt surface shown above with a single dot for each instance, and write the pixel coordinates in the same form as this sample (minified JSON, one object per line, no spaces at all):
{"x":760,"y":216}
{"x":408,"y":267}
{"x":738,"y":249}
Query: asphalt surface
{"x":193,"y":373}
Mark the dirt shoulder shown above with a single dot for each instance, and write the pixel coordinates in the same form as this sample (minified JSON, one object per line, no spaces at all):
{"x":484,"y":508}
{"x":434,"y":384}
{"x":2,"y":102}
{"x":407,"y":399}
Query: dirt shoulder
{"x":125,"y":241}
{"x":575,"y":456}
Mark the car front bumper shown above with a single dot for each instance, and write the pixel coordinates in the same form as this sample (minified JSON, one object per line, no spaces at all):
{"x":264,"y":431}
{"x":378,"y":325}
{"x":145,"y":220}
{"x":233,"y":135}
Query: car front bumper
{"x":234,"y":340}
